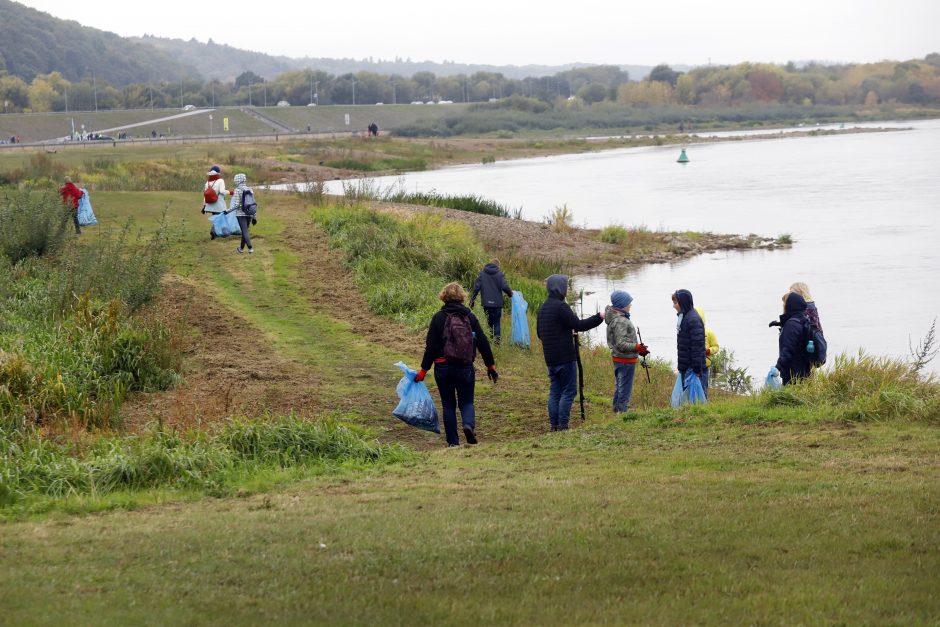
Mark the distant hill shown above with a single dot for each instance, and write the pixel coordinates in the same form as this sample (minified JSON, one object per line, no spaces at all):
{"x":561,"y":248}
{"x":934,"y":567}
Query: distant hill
{"x":33,"y":42}
{"x":225,"y":63}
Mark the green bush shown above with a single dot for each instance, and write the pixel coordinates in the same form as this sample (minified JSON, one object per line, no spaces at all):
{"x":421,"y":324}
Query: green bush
{"x":468,"y":202}
{"x":32,"y":224}
{"x":613,"y":234}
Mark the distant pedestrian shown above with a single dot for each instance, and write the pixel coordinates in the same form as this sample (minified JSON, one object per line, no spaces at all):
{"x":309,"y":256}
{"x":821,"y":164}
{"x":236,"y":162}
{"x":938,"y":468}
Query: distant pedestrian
{"x":625,"y":348}
{"x":793,"y":362}
{"x":453,"y":338}
{"x":492,"y":283}
{"x":556,"y":325}
{"x":690,"y":335}
{"x":244,"y":220}
{"x":71,"y":197}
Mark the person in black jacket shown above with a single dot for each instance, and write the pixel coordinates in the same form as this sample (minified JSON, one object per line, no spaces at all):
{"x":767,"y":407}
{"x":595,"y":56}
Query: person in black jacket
{"x":555,"y":326}
{"x":793,"y":361}
{"x":690,"y":336}
{"x":453,"y":338}
{"x":492,"y":282}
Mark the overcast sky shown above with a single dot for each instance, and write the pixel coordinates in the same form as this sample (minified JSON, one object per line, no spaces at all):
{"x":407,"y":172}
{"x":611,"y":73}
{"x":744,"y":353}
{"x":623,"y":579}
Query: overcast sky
{"x":518,"y":32}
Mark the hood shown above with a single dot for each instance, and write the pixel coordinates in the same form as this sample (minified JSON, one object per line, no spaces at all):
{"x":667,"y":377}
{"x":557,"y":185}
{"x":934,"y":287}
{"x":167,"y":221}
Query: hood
{"x":491,"y":268}
{"x":701,"y":314}
{"x":213,"y":176}
{"x":557,"y":286}
{"x":611,"y":312}
{"x":456,"y":308}
{"x":795,"y":304}
{"x":684,"y":298}
{"x":240,"y":179}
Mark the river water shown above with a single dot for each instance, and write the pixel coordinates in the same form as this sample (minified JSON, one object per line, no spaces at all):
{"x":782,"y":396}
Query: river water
{"x":863,"y":210}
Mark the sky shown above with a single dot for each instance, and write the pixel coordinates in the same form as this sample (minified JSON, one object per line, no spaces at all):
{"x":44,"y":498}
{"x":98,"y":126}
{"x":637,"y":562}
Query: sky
{"x":519,"y":32}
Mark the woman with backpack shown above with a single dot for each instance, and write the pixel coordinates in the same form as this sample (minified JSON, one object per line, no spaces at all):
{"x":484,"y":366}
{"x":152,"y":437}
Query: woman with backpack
{"x":793,"y":362}
{"x":241,"y":209}
{"x":214,"y":192}
{"x":453,"y":338}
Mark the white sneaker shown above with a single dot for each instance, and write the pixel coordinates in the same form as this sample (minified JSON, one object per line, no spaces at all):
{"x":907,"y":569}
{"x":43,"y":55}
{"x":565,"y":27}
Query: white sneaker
{"x":238,"y":250}
{"x":251,"y":250}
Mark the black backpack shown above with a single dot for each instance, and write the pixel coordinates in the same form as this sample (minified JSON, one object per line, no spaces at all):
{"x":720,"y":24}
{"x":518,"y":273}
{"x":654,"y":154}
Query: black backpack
{"x":249,"y":205}
{"x":816,"y":345}
{"x":459,"y":343}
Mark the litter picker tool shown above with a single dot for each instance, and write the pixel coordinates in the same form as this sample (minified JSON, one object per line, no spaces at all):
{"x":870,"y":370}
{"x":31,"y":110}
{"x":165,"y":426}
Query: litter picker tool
{"x":643,"y":363}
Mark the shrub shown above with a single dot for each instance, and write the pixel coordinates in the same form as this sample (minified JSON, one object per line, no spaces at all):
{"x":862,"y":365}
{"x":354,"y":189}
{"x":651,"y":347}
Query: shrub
{"x":561,"y":219}
{"x":32,"y":224}
{"x":467,"y":202}
{"x":613,"y":234}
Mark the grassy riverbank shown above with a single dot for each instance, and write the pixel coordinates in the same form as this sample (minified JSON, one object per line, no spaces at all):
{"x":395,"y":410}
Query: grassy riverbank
{"x":815,"y":504}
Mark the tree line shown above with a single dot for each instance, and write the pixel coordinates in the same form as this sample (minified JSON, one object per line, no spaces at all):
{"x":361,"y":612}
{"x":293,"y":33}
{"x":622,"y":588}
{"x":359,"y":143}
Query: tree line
{"x":913,"y":82}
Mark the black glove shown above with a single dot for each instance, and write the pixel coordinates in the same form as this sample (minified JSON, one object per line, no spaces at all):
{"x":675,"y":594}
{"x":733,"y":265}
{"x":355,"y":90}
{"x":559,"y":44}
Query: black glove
{"x":225,"y":213}
{"x":203,"y":211}
{"x":492,"y":374}
{"x":775,"y":323}
{"x":472,"y":304}
{"x":254,"y":221}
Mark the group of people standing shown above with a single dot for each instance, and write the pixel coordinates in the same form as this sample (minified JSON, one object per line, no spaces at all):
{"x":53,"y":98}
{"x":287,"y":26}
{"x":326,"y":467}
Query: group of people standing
{"x":455,"y":335}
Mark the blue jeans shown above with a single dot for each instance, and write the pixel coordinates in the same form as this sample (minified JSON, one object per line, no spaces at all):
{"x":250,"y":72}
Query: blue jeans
{"x":455,"y":384}
{"x":705,"y":381}
{"x":561,"y":393}
{"x":623,"y":388}
{"x":493,"y":315}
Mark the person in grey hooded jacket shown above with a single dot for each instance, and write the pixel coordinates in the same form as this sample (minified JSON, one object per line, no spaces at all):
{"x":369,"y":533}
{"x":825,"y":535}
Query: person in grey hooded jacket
{"x":492,"y":283}
{"x":556,"y":325}
{"x":243,"y":218}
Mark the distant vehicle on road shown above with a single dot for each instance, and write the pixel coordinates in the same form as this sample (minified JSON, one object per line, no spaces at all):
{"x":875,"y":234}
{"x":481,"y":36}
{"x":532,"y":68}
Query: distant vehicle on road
{"x":98,"y":137}
{"x":189,"y":108}
{"x":283,"y":103}
{"x":417,"y":102}
{"x":312,"y":104}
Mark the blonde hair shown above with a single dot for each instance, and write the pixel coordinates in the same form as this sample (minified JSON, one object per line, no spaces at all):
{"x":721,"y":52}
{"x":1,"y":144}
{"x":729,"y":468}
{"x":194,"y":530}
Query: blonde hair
{"x":453,"y":293}
{"x":803,"y":290}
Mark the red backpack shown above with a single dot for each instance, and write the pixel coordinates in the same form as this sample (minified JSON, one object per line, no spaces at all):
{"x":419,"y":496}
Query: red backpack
{"x":210,"y":195}
{"x":459,"y":343}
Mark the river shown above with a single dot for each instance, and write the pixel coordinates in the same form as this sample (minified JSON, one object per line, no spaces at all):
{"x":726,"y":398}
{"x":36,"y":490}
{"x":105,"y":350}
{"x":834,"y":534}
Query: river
{"x":863,"y":211}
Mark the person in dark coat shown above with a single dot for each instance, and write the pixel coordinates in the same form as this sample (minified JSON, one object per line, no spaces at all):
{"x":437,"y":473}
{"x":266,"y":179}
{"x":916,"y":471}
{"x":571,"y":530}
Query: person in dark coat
{"x":455,"y":377}
{"x":492,"y":283}
{"x":690,"y":335}
{"x":555,"y":326}
{"x":793,"y":361}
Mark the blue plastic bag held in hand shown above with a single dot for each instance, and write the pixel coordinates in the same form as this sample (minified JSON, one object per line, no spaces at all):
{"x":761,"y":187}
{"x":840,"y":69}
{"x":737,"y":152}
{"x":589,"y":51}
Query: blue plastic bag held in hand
{"x":224,"y":225}
{"x":677,"y":392}
{"x":688,"y":391}
{"x":773,"y":382}
{"x":416,"y":406}
{"x":520,"y":323}
{"x":86,"y":217}
{"x":693,"y":387}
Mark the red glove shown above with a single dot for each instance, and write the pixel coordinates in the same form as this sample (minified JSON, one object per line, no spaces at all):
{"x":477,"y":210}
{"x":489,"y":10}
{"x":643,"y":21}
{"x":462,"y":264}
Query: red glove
{"x":708,"y":352}
{"x":642,"y":350}
{"x":420,"y":376}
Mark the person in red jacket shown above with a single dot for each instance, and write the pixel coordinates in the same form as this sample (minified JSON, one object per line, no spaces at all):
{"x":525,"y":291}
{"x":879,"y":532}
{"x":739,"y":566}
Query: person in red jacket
{"x":71,"y":196}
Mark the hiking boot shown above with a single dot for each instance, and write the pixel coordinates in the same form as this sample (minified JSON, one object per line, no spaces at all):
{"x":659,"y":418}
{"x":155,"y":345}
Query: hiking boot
{"x":470,"y":435}
{"x":554,"y":427}
{"x":562,"y":427}
{"x":212,"y":235}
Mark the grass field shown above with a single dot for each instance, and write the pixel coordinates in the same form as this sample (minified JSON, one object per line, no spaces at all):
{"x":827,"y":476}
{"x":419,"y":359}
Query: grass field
{"x":821,"y":507}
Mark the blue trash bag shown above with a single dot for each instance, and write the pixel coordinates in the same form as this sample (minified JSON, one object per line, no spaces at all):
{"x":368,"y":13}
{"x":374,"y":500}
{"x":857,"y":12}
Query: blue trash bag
{"x":224,"y":224}
{"x":86,"y":217}
{"x":677,"y":392}
{"x":520,"y":322}
{"x":416,"y":406}
{"x":691,"y":392}
{"x":774,"y":381}
{"x":693,"y":386}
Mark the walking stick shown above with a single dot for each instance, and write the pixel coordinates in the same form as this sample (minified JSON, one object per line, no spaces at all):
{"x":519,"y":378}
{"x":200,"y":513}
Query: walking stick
{"x":645,"y":365}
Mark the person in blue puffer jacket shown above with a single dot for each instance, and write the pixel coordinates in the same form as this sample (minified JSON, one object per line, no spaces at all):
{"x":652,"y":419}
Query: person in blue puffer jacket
{"x":793,"y":361}
{"x":690,"y":335}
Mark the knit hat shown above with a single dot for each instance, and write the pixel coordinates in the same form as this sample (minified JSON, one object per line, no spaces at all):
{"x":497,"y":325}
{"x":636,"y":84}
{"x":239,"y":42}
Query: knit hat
{"x":214,"y":170}
{"x":620,"y":299}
